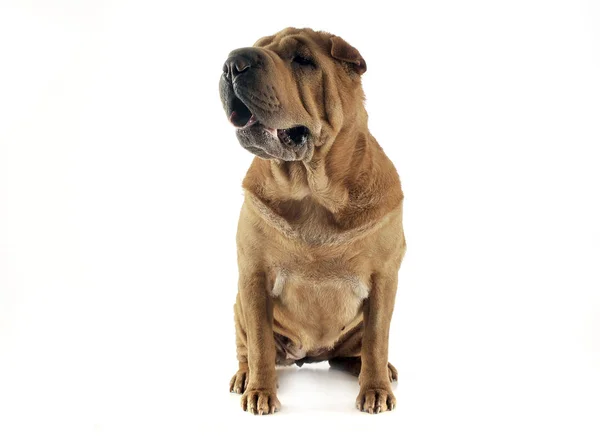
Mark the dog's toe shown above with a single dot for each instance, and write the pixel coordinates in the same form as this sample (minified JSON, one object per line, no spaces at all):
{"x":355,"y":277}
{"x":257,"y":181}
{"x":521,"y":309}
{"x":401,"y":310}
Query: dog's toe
{"x":392,"y":372}
{"x":239,"y":382}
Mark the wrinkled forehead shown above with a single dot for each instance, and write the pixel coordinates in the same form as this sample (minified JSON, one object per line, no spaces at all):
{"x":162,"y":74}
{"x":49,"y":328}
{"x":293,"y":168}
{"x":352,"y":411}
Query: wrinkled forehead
{"x":292,"y":40}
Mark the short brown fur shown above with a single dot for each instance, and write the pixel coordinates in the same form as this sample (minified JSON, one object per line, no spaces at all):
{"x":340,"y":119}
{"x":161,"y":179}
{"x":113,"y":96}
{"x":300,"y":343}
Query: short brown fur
{"x":320,"y":238}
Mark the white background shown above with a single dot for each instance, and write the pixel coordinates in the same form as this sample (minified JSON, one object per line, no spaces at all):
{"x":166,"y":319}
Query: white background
{"x":120,"y":190}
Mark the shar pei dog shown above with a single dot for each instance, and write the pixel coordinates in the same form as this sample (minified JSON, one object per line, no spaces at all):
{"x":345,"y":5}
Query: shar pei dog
{"x":320,"y":237}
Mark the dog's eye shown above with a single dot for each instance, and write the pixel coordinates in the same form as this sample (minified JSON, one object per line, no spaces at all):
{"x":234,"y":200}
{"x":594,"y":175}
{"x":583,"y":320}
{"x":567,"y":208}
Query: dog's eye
{"x":301,"y":60}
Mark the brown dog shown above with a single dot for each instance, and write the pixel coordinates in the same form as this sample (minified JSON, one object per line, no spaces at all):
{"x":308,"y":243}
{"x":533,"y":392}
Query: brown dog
{"x":320,"y":236}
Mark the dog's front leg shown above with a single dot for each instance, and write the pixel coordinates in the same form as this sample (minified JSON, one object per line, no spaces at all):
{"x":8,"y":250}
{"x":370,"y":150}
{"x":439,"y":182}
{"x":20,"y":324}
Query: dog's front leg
{"x":375,"y":389}
{"x":260,"y":397}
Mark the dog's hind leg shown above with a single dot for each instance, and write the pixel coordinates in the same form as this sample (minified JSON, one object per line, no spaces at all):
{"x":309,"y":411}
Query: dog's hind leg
{"x":353,"y":365}
{"x":346,"y":354}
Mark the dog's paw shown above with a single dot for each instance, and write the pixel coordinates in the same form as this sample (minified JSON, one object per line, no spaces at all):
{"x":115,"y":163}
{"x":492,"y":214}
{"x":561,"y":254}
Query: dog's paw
{"x":239,"y":382}
{"x":375,"y":400}
{"x":260,"y":401}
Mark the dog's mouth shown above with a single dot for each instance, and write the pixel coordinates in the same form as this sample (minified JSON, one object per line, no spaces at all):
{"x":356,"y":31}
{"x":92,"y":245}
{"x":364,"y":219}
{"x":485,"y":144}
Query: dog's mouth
{"x":242,"y":118}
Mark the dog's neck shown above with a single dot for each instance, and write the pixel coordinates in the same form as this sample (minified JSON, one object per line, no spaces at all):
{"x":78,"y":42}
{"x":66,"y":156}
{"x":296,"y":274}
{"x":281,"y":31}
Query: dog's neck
{"x":349,"y":184}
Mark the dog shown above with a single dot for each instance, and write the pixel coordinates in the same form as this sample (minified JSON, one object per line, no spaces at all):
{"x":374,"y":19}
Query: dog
{"x":320,"y":238}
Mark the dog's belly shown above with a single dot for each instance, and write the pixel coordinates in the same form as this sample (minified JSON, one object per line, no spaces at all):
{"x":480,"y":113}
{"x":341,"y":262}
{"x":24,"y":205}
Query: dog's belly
{"x":313,"y":313}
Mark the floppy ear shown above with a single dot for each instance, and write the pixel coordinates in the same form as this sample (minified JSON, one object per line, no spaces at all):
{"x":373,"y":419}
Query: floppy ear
{"x":343,"y":51}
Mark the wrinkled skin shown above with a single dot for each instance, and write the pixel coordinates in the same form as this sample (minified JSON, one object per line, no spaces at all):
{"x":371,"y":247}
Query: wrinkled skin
{"x":320,"y":238}
{"x":293,"y":81}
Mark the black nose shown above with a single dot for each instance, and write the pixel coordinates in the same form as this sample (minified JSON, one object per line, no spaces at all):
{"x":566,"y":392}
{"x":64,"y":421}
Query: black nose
{"x":242,"y":61}
{"x":236,"y":65}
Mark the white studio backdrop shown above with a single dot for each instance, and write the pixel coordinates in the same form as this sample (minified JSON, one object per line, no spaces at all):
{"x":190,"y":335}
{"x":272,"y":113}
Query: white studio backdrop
{"x":120,"y":188}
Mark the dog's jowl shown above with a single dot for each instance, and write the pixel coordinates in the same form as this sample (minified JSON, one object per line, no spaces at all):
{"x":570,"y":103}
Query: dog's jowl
{"x":320,"y":237}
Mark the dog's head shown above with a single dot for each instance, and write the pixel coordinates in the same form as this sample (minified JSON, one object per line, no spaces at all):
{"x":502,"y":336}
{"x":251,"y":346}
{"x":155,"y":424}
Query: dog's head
{"x":292,"y":92}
